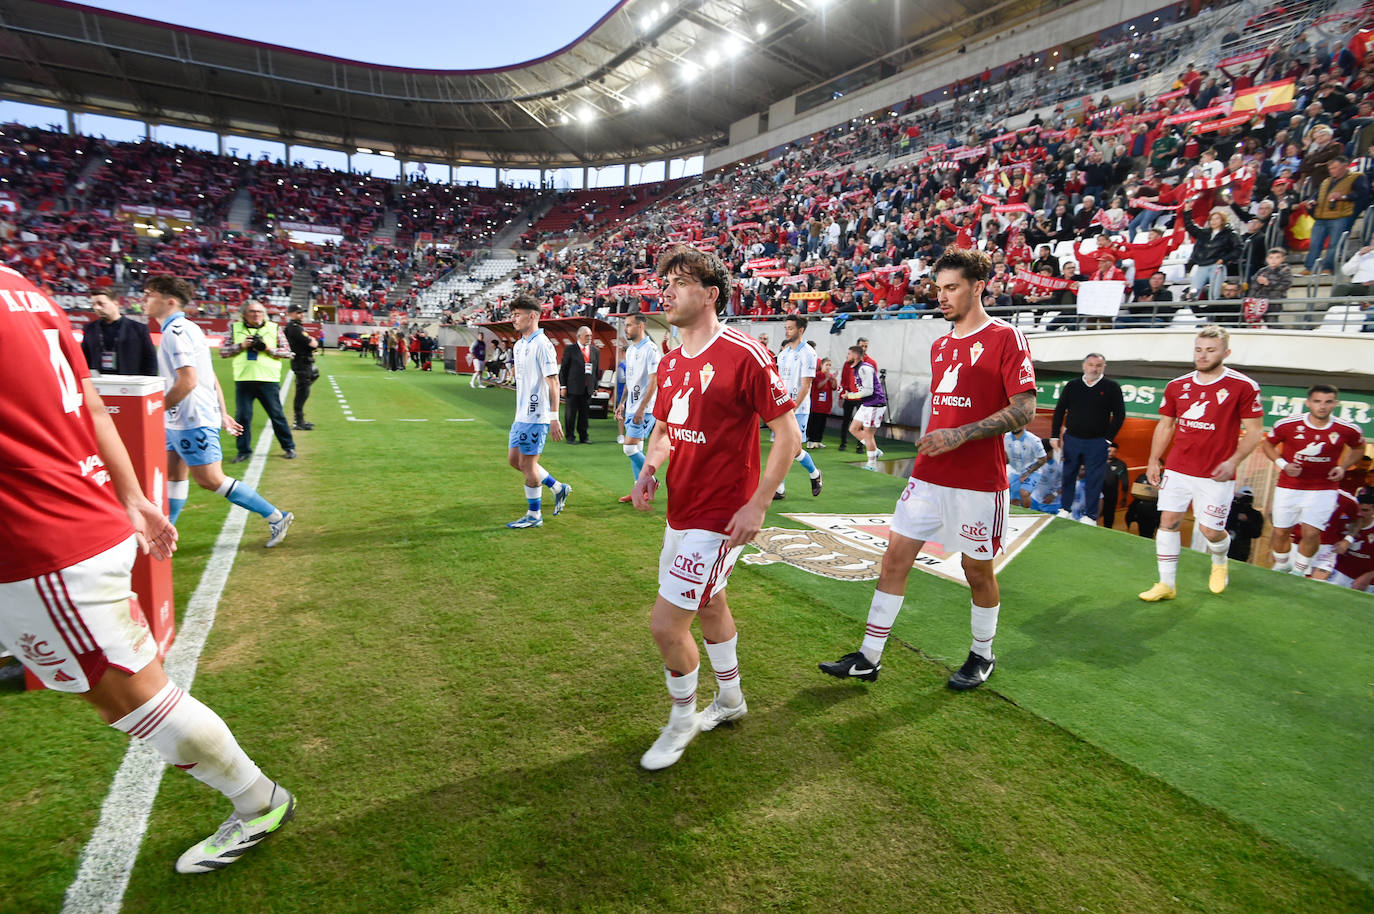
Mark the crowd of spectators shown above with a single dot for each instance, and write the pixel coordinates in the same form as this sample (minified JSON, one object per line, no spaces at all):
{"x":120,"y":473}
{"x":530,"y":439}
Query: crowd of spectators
{"x":353,"y":203}
{"x":150,"y":174}
{"x":1121,"y":189}
{"x":39,"y":168}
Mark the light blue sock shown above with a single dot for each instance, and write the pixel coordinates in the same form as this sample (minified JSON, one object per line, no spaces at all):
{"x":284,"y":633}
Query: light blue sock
{"x":637,"y":463}
{"x":177,"y":490}
{"x":245,"y":496}
{"x":533,"y":498}
{"x":807,"y":463}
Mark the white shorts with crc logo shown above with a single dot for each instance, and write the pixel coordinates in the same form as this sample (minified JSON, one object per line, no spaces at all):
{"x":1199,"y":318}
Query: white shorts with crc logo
{"x":694,"y":566}
{"x":1211,"y":500}
{"x":69,"y":626}
{"x":1303,"y":506}
{"x":1341,"y":579}
{"x":961,"y":520}
{"x":869,"y":416}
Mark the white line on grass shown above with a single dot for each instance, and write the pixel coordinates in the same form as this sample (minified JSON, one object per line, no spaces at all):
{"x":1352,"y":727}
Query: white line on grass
{"x":108,"y":858}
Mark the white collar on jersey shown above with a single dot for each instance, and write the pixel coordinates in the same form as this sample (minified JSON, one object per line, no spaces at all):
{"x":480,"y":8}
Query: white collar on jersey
{"x":716,"y":336}
{"x":979,"y":329}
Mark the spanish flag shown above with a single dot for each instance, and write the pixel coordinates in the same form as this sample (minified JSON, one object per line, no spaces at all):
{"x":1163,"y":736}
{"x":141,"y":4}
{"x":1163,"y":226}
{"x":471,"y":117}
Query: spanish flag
{"x":1277,"y":96}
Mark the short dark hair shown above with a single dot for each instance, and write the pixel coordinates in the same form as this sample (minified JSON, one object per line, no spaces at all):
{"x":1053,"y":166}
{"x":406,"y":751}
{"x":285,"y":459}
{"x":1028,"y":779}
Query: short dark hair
{"x":1282,"y":251}
{"x":1343,"y":159}
{"x":637,"y":316}
{"x":162,"y":284}
{"x":798,"y":319}
{"x":1323,"y":389}
{"x":524,"y":302}
{"x":703,"y":266}
{"x":973,"y":265}
{"x":858,"y":349}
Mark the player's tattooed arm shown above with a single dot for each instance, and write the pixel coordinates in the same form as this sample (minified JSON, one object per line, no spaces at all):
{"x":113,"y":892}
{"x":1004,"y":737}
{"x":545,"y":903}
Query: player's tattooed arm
{"x":1014,"y":415}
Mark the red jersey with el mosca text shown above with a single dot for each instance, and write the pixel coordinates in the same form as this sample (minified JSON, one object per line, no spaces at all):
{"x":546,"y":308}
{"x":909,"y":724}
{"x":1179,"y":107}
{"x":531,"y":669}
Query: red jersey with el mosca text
{"x":711,"y":404}
{"x":1207,"y":420}
{"x":972,"y":377}
{"x":57,"y":501}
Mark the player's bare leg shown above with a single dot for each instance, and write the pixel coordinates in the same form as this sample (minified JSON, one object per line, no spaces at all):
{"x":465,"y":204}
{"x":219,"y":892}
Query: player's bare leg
{"x":866,"y":662}
{"x":191,"y":736}
{"x":868,"y":438}
{"x":536,"y":476}
{"x":1168,"y":542}
{"x":671,"y":627}
{"x":722,"y":643}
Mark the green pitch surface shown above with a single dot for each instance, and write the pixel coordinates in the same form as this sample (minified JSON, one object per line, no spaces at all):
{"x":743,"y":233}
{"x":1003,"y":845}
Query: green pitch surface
{"x":460,"y":709}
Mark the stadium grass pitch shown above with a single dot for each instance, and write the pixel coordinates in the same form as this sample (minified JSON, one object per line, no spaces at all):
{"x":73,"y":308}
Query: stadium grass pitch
{"x":460,"y":709}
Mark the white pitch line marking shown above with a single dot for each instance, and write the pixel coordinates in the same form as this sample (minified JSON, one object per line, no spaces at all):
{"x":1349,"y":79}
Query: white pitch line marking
{"x":108,"y":858}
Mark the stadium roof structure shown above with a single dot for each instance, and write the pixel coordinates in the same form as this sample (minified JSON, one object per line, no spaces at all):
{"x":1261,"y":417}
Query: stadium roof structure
{"x":651,"y":79}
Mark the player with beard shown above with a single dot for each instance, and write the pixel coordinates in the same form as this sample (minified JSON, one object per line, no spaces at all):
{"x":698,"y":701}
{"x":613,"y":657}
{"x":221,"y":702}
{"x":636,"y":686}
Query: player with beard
{"x":1317,"y":449}
{"x":957,"y":494}
{"x":712,"y":393}
{"x":1202,"y":415}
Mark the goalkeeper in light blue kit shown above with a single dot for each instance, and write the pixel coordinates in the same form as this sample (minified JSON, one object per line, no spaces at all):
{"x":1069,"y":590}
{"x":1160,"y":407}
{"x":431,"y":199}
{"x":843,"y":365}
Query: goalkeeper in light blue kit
{"x":536,"y":411}
{"x":797,"y":368}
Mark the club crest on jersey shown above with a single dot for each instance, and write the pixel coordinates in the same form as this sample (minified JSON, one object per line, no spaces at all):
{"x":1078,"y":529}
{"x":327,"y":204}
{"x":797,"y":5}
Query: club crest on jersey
{"x":1334,"y":436}
{"x":672,"y":363}
{"x":1222,"y":395}
{"x":975,"y":352}
{"x":708,"y":371}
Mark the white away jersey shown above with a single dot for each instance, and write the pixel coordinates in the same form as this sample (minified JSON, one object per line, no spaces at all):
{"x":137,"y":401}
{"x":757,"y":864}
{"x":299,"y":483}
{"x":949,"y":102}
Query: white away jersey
{"x":795,"y":363}
{"x":183,"y":344}
{"x":641,"y":364}
{"x":535,"y":361}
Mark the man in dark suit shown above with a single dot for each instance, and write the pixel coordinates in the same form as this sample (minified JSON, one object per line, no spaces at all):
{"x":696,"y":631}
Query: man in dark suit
{"x":577,"y":376}
{"x":115,"y":344}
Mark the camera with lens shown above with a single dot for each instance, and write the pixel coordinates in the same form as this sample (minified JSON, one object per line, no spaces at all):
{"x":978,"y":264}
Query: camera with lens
{"x":254,"y":343}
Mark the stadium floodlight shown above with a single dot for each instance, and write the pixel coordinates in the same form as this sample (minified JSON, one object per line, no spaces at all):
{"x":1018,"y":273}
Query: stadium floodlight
{"x":712,"y":57}
{"x":363,"y":150}
{"x":733,"y":45}
{"x":586,"y":114}
{"x":689,"y":71}
{"x":761,"y":29}
{"x":388,"y":153}
{"x":648,"y":93}
{"x":663,"y":8}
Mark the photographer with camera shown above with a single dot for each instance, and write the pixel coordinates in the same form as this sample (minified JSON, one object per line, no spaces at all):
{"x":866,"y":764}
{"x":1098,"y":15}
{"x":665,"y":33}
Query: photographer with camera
{"x":303,"y":347}
{"x":256,"y":348}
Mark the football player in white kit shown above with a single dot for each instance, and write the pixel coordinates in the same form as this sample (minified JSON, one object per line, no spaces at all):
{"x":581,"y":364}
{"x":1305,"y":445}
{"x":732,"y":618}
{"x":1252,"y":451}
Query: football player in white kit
{"x":797,"y":368}
{"x":636,"y":409}
{"x":195,"y":410}
{"x":536,"y":412}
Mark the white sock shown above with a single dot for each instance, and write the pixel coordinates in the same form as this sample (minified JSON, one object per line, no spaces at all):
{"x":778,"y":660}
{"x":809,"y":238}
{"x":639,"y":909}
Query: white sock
{"x":683,"y":690}
{"x":1301,"y":564}
{"x":192,"y":737}
{"x":882,"y":612}
{"x":725,"y":661}
{"x":1283,"y":560}
{"x":1167,"y":545}
{"x":872,"y":456}
{"x":1218,"y":549}
{"x":984,"y":625}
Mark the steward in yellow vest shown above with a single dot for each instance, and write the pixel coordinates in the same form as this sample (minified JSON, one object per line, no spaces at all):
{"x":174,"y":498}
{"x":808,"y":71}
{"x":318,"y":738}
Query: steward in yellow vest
{"x":257,"y":349}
